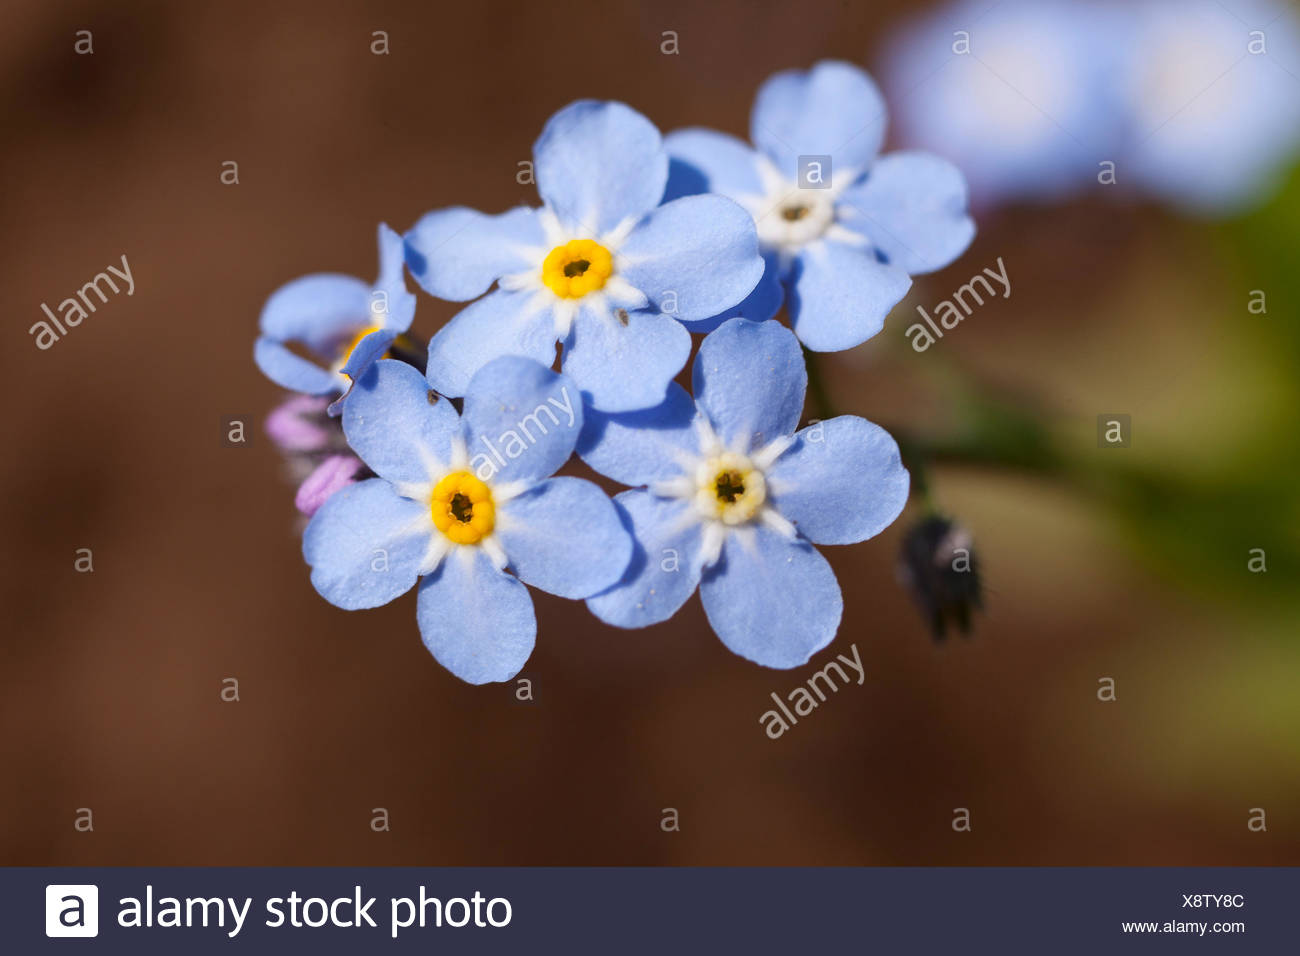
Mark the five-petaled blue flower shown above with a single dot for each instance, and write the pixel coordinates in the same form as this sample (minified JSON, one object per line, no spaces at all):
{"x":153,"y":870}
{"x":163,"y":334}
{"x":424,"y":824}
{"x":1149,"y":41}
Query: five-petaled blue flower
{"x":459,"y":502}
{"x":345,"y":322}
{"x":734,"y":498}
{"x":841,"y":229}
{"x":601,"y":267}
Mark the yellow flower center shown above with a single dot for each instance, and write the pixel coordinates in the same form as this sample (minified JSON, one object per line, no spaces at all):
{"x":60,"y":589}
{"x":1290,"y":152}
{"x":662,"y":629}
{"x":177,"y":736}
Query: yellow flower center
{"x":462,"y":508}
{"x":576,"y":268}
{"x":730,"y":489}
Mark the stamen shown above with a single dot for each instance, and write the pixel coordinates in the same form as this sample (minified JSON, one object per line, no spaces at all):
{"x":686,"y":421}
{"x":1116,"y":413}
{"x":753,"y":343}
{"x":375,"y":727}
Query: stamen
{"x":729,"y":485}
{"x":462,"y":509}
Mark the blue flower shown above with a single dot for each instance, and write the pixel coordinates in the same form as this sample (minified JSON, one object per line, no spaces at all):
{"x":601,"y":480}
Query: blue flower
{"x":1189,"y":100}
{"x":459,"y":502}
{"x":344,"y":322}
{"x":601,"y":267}
{"x":1024,"y":95}
{"x":734,"y":498}
{"x":1213,"y":91}
{"x":842,"y":230}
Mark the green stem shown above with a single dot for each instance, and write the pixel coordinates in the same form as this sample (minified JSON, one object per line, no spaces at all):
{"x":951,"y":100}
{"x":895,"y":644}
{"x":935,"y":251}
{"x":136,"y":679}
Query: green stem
{"x":969,"y":449}
{"x":992,"y":431}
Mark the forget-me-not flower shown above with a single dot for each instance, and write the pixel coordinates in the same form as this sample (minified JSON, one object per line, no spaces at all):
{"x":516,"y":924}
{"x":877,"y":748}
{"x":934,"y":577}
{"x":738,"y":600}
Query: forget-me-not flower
{"x":734,"y":498}
{"x":1024,"y":95}
{"x":347,"y":324}
{"x":601,"y":268}
{"x":1213,"y":92}
{"x":842,"y":229}
{"x":466,"y":505}
{"x":1191,"y":100}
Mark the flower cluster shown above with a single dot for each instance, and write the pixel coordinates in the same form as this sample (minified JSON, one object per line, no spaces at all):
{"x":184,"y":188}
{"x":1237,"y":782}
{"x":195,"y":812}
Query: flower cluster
{"x":434,"y":466}
{"x":1191,"y":101}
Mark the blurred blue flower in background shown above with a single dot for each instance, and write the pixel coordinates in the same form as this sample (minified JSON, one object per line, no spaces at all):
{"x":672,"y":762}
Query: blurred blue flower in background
{"x":1020,"y":94}
{"x":841,"y":228}
{"x":1193,"y":101}
{"x":733,"y":498}
{"x":1213,"y":98}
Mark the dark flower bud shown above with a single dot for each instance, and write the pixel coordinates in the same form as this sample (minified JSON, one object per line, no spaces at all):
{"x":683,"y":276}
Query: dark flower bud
{"x":937,"y":563}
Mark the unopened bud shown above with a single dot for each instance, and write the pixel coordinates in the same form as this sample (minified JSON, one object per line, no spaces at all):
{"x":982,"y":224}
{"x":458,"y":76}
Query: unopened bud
{"x":938,"y":565}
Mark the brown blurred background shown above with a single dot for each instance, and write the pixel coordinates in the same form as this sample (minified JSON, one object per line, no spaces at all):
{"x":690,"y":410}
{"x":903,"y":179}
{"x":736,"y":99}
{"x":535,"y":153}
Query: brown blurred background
{"x":110,"y":681}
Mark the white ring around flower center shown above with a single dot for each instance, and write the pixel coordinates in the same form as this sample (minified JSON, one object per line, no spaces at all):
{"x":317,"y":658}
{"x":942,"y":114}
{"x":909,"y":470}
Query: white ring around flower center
{"x":795,"y":217}
{"x":728,"y":491}
{"x":729,"y":488}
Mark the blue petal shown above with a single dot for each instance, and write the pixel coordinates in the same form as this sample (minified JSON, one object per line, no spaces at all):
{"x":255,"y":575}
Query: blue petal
{"x":833,"y":110}
{"x":761,"y":304}
{"x":599,"y":163}
{"x":638,"y":448}
{"x":293,"y":371}
{"x":665,"y":568}
{"x":841,"y":295}
{"x":395,"y":426}
{"x":772,"y":600}
{"x":684,"y":180}
{"x":693,"y":257}
{"x":706,"y":161}
{"x":522,"y":418}
{"x":477,"y":621}
{"x":457,"y":253}
{"x":621,"y":368}
{"x":565,"y":537}
{"x":501,"y":323}
{"x":322,"y":311}
{"x":913,"y":208}
{"x":368,"y":351}
{"x":399,"y":308}
{"x":842,"y":481}
{"x":750,"y":380}
{"x":365,"y":545}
